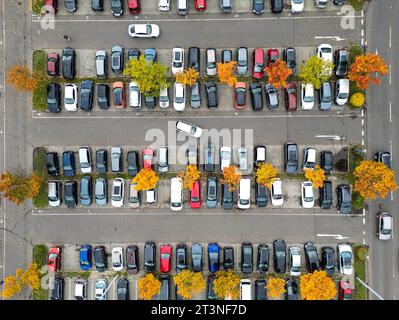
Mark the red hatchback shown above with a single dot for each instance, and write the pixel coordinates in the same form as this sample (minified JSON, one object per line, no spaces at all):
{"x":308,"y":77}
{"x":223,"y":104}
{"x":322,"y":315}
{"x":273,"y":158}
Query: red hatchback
{"x":200,"y":5}
{"x":148,"y":154}
{"x":272,"y":56}
{"x":52,"y":3}
{"x":54,"y":259}
{"x":166,"y":258}
{"x":134,"y":6}
{"x":53,"y":64}
{"x":258,"y":57}
{"x":195,"y":195}
{"x":240,"y":93}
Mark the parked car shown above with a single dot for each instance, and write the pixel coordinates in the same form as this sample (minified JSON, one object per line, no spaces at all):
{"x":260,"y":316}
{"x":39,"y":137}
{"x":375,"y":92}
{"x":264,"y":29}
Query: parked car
{"x":177,"y":60}
{"x":182,"y":7}
{"x":134,"y":6}
{"x":279,"y":256}
{"x":384,"y":225}
{"x":211,"y":295}
{"x":297,"y":6}
{"x":240,"y":95}
{"x":117,"y":7}
{"x":328,"y":260}
{"x":200,"y":5}
{"x":117,"y":258}
{"x":255,"y":90}
{"x":260,"y":289}
{"x":242,"y":153}
{"x":52,"y":164}
{"x":68,"y":163}
{"x":309,"y":158}
{"x":164,"y":5}
{"x":133,"y":53}
{"x":212,"y":197}
{"x":134,"y":196}
{"x":165,"y":258}
{"x":271,"y":96}
{"x":294,"y":263}
{"x":181,"y":257}
{"x":345,"y":257}
{"x":71,"y":97}
{"x":341,"y":91}
{"x":277,"y":6}
{"x":101,"y":192}
{"x":290,"y":157}
{"x":196,"y":257}
{"x":68,"y":62}
{"x":134,"y":96}
{"x":53,"y":64}
{"x":211,"y":67}
{"x":272,"y":56}
{"x":384,"y":157}
{"x":195,"y":195}
{"x":325,"y":96}
{"x":341,"y":62}
{"x":245,"y":289}
{"x":192,"y":155}
{"x":85,"y":160}
{"x":261,"y":195}
{"x":344,"y":199}
{"x":227,"y":197}
{"x":289,"y":55}
{"x":227,"y":55}
{"x":326,"y":161}
{"x":188,"y":129}
{"x":102,"y":64}
{"x":258,"y":6}
{"x":149,"y":257}
{"x":258,"y":61}
{"x":290,"y":95}
{"x":97,"y":5}
{"x":345,"y":291}
{"x":116,"y":159}
{"x":225,"y":158}
{"x":54,"y":258}
{"x":276,"y":193}
{"x":228,"y":258}
{"x":57,"y":290}
{"x":307,"y":96}
{"x":86,"y":191}
{"x":132,"y":259}
{"x":324,"y":51}
{"x":291,"y":290}
{"x":312,"y":258}
{"x":54,"y":193}
{"x":242,"y":60}
{"x":163,"y":159}
{"x":259,"y":155}
{"x":117,"y":59}
{"x":307,"y":194}
{"x":101,"y":161}
{"x":53,"y":97}
{"x":164,"y":98}
{"x":80,"y":292}
{"x":226,"y":6}
{"x":71,"y":5}
{"x":209,"y":165}
{"x":103,"y":96}
{"x":263,"y":258}
{"x":151,"y":196}
{"x":325,"y":195}
{"x":122,"y":289}
{"x":118,"y":95}
{"x":179,"y":96}
{"x":71,"y":194}
{"x":211,"y":95}
{"x":195,"y":95}
{"x":100,"y":287}
{"x":213,"y":257}
{"x":118,"y":190}
{"x":132,"y":163}
{"x":148,"y":156}
{"x":246,"y":258}
{"x":86,"y":95}
{"x":150,"y":55}
{"x":100,"y":258}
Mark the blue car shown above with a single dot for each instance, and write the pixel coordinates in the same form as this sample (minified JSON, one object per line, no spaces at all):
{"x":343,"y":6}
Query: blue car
{"x":213,"y":257}
{"x":68,"y":163}
{"x":85,"y":257}
{"x":150,"y":55}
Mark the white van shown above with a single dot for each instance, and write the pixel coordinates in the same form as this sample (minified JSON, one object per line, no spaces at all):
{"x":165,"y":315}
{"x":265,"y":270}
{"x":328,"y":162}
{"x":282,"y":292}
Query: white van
{"x":176,"y":194}
{"x":245,"y":289}
{"x":134,"y":95}
{"x":244,"y":193}
{"x":163,"y":159}
{"x":81,"y":289}
{"x":151,"y":196}
{"x":341,"y":91}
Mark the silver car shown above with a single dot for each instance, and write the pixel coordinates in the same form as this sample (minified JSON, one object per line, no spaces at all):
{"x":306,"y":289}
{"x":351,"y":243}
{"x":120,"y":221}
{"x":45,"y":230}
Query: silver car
{"x":242,"y":158}
{"x":116,"y":159}
{"x":242,"y":60}
{"x":101,"y":193}
{"x":134,"y":197}
{"x":100,"y":287}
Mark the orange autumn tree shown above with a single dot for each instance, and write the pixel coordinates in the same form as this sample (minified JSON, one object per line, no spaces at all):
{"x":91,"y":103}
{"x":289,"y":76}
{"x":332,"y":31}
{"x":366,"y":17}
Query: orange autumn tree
{"x":22,"y":78}
{"x":266,"y":174}
{"x":17,"y":188}
{"x":278,"y":73}
{"x":189,"y":176}
{"x":146,"y":179}
{"x":189,"y":283}
{"x":226,"y":72}
{"x":226,"y":284}
{"x":231,"y":177}
{"x":187,"y":77}
{"x":374,"y":179}
{"x":317,"y":286}
{"x":275,"y":287}
{"x":148,"y":287}
{"x":367,"y":68}
{"x":316,"y":176}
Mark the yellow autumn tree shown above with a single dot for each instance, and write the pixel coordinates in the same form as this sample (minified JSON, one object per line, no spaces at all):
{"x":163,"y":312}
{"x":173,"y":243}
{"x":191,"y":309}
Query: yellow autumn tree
{"x":317,"y":286}
{"x":13,"y":284}
{"x":316,"y":176}
{"x":17,"y":188}
{"x":148,"y":287}
{"x":374,"y":179}
{"x":189,"y":176}
{"x":226,"y":72}
{"x":266,"y":174}
{"x":31,"y":276}
{"x":226,"y":284}
{"x":146,"y":179}
{"x":231,"y":177}
{"x":188,"y":77}
{"x":23,"y":79}
{"x":275,"y":287}
{"x":189,"y":283}
{"x":357,"y":100}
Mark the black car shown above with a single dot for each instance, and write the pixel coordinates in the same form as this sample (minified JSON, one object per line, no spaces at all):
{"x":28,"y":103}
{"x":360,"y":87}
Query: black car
{"x":117,"y":7}
{"x":279,"y":256}
{"x":255,"y":90}
{"x":211,"y":95}
{"x":291,"y":290}
{"x":312,"y":259}
{"x":258,"y":6}
{"x":271,"y":96}
{"x":260,"y":290}
{"x":101,"y":161}
{"x":53,"y":97}
{"x":210,"y":292}
{"x":97,"y":5}
{"x":117,"y":59}
{"x":263,"y":258}
{"x":57,"y":291}
{"x":52,"y":164}
{"x":277,"y":6}
{"x":165,"y":288}
{"x":339,"y":2}
{"x":261,"y":195}
{"x":71,"y":5}
{"x":86,"y":95}
{"x":325,"y":197}
{"x":328,"y":260}
{"x":290,"y":157}
{"x":325,"y":96}
{"x":227,"y":56}
{"x":259,"y":155}
{"x":326,"y":161}
{"x":122,"y":289}
{"x":68,"y":62}
{"x":289,"y":56}
{"x":341,"y":62}
{"x":228,"y":258}
{"x":181,"y":257}
{"x":149,"y":257}
{"x":344,"y":199}
{"x":132,"y":163}
{"x":196,"y":257}
{"x":103,"y":96}
{"x":132,"y":259}
{"x":100,"y":258}
{"x":209,"y":165}
{"x":247,"y":258}
{"x":150,"y":102}
{"x":71,"y":194}
{"x":227,"y":197}
{"x":68,"y":163}
{"x":133,"y":54}
{"x":384,"y":157}
{"x":194,"y":58}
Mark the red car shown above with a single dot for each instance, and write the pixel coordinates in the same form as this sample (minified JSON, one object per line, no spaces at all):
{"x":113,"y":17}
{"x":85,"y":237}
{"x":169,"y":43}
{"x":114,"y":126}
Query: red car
{"x":166,"y":257}
{"x":345,"y":291}
{"x":200,"y":5}
{"x":134,"y":6}
{"x":147,"y":158}
{"x":290,"y":96}
{"x":272,"y":56}
{"x":258,"y":57}
{"x":195,"y":195}
{"x":118,"y":95}
{"x":240,"y":94}
{"x":54,"y":259}
{"x":53,"y":64}
{"x":52,"y":3}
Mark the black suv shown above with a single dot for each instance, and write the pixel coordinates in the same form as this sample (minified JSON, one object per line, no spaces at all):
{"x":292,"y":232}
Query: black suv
{"x":71,"y":194}
{"x":341,"y":62}
{"x":68,"y":62}
{"x":328,"y":260}
{"x":132,"y":163}
{"x":227,"y":197}
{"x":246,"y":258}
{"x":312,"y":259}
{"x":100,"y":258}
{"x":228,"y":258}
{"x":344,"y":199}
{"x":149,"y":257}
{"x":52,"y":165}
{"x":290,"y":157}
{"x":289,"y":55}
{"x":122,"y":289}
{"x":194,"y":58}
{"x":255,"y":90}
{"x":263,"y":258}
{"x":261,"y":195}
{"x":101,"y":161}
{"x":86,"y":95}
{"x":279,"y":256}
{"x":326,"y":161}
{"x":57,"y":291}
{"x":325,"y":196}
{"x":53,"y":97}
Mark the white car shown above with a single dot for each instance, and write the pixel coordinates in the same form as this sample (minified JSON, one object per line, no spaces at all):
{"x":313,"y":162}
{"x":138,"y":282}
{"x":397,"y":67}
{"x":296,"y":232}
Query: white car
{"x":99,"y":289}
{"x":345,"y":259}
{"x":134,"y":95}
{"x":307,"y":194}
{"x":179,"y":96}
{"x":71,"y":97}
{"x":295,"y":261}
{"x":307,"y":96}
{"x":225,"y":158}
{"x":325,"y":52}
{"x":85,"y":160}
{"x":177,"y":60}
{"x":145,"y":30}
{"x":297,"y":6}
{"x":164,"y":5}
{"x":164,"y":98}
{"x":384,"y":225}
{"x":117,"y":258}
{"x":176,"y":194}
{"x":118,"y":187}
{"x":276,"y":192}
{"x":188,"y":129}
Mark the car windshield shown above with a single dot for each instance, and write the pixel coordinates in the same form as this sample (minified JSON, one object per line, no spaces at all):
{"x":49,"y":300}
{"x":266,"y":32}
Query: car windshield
{"x":346,"y":258}
{"x":179,"y":99}
{"x":163,"y":98}
{"x":148,"y":29}
{"x":176,"y":204}
{"x":225,"y":155}
{"x":147,"y":157}
{"x":258,"y":67}
{"x":308,"y":98}
{"x":326,"y":50}
{"x":213,"y":255}
{"x":52,"y":256}
{"x":118,"y":96}
{"x":211,"y":89}
{"x":343,"y":95}
{"x":165,"y":255}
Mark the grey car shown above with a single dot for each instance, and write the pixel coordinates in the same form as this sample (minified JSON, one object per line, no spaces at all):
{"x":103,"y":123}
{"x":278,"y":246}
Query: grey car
{"x":212,"y":197}
{"x":117,"y":59}
{"x":325,"y":96}
{"x":209,"y":165}
{"x":116,"y":159}
{"x":271,"y":96}
{"x":242,"y":60}
{"x":85,"y":191}
{"x":100,"y":191}
{"x":195,"y":95}
{"x":242,"y":158}
{"x":196,"y":257}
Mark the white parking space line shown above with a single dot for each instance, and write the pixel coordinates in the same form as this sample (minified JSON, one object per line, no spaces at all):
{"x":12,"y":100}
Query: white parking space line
{"x":390,"y":111}
{"x":4,"y":142}
{"x":390,"y":36}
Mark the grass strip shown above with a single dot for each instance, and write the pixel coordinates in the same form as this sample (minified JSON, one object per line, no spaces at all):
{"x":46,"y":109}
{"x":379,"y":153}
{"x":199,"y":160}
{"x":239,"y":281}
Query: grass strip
{"x":356,"y":4}
{"x":360,"y":253}
{"x":39,"y":167}
{"x":40,"y":94}
{"x":39,"y":256}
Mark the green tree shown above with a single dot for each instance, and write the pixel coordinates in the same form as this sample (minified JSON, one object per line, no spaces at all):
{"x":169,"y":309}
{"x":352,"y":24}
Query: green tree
{"x":150,"y":77}
{"x":315,"y":71}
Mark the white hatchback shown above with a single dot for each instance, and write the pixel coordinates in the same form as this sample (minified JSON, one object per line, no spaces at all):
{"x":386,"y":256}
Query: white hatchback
{"x":295,"y":261}
{"x":134,"y":95}
{"x":179,"y":97}
{"x":307,"y":96}
{"x":297,"y":6}
{"x":145,"y":30}
{"x":71,"y":97}
{"x":188,"y":129}
{"x":307,"y":194}
{"x":177,"y":60}
{"x":276,"y":192}
{"x":164,"y":5}
{"x":118,"y":187}
{"x":117,"y":258}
